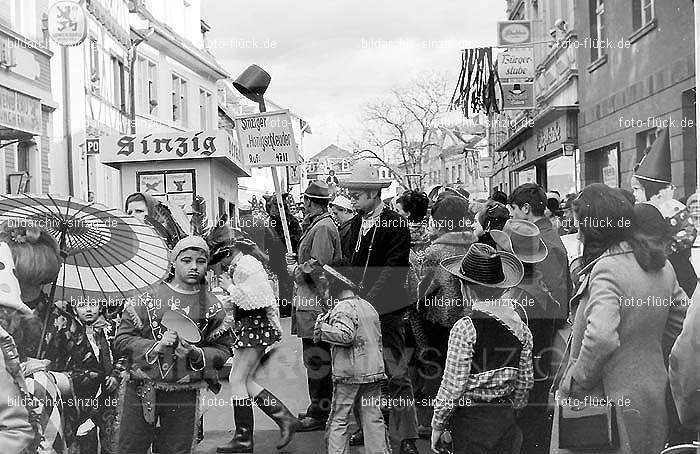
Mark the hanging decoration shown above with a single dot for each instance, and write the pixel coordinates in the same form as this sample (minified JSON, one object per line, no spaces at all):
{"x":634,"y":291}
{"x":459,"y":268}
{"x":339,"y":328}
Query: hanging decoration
{"x":478,"y":83}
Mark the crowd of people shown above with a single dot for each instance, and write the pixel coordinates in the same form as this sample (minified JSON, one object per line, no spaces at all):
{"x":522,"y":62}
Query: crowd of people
{"x":473,"y":328}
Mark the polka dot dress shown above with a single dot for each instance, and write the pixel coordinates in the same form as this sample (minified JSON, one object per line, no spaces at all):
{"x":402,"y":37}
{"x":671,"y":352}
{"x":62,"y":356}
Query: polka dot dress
{"x":254,"y":331}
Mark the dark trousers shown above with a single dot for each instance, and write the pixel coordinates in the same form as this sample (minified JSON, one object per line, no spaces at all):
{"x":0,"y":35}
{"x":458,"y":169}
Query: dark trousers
{"x":317,"y":360}
{"x":177,"y":412}
{"x":484,"y":429}
{"x":396,"y":359}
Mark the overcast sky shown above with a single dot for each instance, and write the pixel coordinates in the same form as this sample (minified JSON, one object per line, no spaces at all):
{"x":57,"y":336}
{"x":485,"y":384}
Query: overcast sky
{"x":329,"y":57}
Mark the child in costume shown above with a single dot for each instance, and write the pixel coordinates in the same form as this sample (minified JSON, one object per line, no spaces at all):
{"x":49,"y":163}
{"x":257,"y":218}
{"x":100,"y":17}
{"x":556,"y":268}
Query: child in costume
{"x":253,"y":306}
{"x":100,"y":333}
{"x":167,"y":372}
{"x":352,"y":328}
{"x":651,"y":184}
{"x":488,"y":372}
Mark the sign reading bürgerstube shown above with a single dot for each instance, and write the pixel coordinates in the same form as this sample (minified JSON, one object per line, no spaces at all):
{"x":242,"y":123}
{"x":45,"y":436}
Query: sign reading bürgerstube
{"x":267,"y":139}
{"x":516,"y":63}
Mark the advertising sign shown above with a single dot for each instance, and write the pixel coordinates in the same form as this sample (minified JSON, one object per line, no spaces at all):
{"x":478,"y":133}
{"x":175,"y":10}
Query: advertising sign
{"x":267,"y":139}
{"x":514,"y":32}
{"x":485,"y":166}
{"x":92,"y":145}
{"x":516,"y":63}
{"x":610,"y":176}
{"x":518,"y":96}
{"x":19,"y":111}
{"x":294,"y":174}
{"x":67,"y":23}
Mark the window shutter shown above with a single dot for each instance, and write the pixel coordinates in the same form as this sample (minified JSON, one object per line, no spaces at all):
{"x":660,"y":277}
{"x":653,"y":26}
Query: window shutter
{"x":636,"y":14}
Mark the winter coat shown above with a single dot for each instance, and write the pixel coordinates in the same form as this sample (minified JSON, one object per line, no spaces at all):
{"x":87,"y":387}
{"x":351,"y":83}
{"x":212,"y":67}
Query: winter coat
{"x":555,"y":268}
{"x":352,"y":328}
{"x":439,"y":292}
{"x":384,"y":284}
{"x":321,"y":242}
{"x":684,"y":369}
{"x":625,"y":323}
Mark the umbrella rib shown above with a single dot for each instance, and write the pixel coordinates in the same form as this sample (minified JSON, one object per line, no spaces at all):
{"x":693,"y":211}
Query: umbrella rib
{"x":30,"y":197}
{"x":90,"y":251}
{"x":81,"y":242}
{"x":91,"y":235}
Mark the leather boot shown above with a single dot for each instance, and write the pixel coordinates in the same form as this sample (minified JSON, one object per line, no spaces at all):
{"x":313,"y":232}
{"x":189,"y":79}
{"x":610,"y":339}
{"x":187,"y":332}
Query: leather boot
{"x":242,"y":440}
{"x":275,"y":409}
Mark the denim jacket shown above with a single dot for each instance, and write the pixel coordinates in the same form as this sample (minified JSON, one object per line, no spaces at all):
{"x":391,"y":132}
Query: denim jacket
{"x":352,"y":329}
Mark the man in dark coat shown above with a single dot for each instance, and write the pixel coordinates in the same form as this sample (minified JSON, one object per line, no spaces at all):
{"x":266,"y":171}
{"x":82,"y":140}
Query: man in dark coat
{"x":321,"y":242}
{"x":381,"y":242}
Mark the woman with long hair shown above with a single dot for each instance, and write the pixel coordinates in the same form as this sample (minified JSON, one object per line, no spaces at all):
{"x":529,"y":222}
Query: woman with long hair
{"x":630,"y":310}
{"x":256,"y":327}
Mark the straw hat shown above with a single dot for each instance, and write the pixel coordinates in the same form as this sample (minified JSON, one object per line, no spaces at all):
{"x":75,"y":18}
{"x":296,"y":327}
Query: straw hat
{"x":364,"y":176}
{"x":522,"y":239}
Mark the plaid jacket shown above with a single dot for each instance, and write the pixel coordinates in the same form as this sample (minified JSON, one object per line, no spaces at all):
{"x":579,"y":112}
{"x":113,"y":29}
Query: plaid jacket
{"x":464,"y":385}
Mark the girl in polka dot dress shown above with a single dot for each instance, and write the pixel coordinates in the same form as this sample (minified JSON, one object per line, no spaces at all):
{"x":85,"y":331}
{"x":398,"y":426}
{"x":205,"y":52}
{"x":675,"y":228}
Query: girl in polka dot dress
{"x":251,"y":302}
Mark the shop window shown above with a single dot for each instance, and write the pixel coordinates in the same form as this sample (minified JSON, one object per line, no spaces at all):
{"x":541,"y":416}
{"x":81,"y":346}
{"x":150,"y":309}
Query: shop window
{"x":561,"y":175}
{"x":179,"y":95}
{"x":177,"y":186}
{"x":644,"y":141}
{"x":597,"y":21}
{"x":147,"y":83}
{"x":603,"y":165}
{"x":119,"y":87}
{"x":222,"y":206}
{"x":205,"y":109}
{"x":528,"y":175}
{"x":642,"y":13}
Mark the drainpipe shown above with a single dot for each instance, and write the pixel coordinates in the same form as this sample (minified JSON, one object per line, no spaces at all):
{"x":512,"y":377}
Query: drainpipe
{"x":67,"y":117}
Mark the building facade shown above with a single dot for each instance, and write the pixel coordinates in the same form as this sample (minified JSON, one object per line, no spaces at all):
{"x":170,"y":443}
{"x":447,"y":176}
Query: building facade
{"x":641,"y":78}
{"x":27,"y":105}
{"x":529,"y":144}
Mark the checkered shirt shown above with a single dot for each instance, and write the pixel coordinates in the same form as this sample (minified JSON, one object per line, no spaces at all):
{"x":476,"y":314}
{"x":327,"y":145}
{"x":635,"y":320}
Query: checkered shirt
{"x":460,"y":387}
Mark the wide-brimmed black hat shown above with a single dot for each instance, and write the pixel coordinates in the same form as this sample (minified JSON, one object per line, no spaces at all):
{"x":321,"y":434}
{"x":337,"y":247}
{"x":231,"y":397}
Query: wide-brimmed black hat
{"x":485,"y":266}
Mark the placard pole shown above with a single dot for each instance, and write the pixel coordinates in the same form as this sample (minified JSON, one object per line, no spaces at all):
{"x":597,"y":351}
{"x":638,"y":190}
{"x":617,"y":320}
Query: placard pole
{"x":283,"y":214}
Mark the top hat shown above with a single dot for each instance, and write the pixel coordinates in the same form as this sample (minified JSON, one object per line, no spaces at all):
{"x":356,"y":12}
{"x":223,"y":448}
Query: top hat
{"x":317,"y":189}
{"x":656,"y":164}
{"x":364,"y":176}
{"x":483,"y":265}
{"x":522,"y":238}
{"x":253,"y":82}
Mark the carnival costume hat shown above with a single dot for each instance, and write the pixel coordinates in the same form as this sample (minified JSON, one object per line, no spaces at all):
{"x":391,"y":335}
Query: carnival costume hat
{"x":10,"y":293}
{"x":485,"y":266}
{"x":342,"y":202}
{"x":522,"y":239}
{"x":190,"y":242}
{"x":656,"y":164}
{"x":364,"y":176}
{"x":318,"y":190}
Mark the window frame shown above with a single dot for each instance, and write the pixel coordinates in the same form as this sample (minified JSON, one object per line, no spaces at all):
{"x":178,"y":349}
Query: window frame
{"x":181,"y":104}
{"x":598,"y":51}
{"x":147,"y":83}
{"x":205,"y":109}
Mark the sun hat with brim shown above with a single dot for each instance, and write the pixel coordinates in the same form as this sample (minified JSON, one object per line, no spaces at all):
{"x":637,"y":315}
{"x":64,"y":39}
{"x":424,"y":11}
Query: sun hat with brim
{"x":483,"y":265}
{"x":10,"y":293}
{"x":318,"y":190}
{"x":364,"y":176}
{"x":342,"y":202}
{"x":522,"y":239}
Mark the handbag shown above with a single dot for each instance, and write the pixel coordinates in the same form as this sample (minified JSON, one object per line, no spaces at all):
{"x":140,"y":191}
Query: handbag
{"x":588,"y":427}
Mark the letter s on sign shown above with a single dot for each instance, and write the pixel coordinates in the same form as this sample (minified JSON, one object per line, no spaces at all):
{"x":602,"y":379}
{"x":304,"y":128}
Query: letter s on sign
{"x":126,"y":144}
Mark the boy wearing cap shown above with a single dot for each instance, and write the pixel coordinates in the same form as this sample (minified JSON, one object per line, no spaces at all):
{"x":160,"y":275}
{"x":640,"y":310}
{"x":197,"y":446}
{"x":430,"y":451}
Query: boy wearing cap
{"x":167,"y":372}
{"x":352,"y":328}
{"x":488,"y":372}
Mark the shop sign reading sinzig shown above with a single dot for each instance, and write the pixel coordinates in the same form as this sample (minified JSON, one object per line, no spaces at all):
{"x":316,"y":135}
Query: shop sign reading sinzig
{"x":267,"y":139}
{"x":160,"y":146}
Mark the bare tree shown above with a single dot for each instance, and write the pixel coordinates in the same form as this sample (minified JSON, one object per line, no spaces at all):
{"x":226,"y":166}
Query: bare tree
{"x":401,"y":127}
